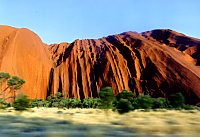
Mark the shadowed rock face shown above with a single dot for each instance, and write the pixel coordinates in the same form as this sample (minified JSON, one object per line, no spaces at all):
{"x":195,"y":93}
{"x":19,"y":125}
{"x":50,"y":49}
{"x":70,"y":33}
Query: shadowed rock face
{"x":179,"y":41}
{"x":158,"y":62}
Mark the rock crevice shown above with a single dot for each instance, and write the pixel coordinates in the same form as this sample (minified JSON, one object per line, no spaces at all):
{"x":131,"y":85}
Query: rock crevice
{"x":158,"y":62}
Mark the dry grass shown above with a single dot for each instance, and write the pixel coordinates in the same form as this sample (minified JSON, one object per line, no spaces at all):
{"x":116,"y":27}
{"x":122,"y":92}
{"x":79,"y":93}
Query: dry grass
{"x":53,"y":122}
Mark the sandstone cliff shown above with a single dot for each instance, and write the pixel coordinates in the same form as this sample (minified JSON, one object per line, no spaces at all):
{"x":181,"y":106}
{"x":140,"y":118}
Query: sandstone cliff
{"x":158,"y":62}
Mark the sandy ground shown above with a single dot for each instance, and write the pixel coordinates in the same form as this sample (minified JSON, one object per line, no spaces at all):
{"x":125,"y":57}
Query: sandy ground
{"x":54,"y":122}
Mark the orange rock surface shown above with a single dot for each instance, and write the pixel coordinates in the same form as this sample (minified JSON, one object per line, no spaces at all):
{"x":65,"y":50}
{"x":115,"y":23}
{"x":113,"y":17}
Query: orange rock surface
{"x":23,"y":54}
{"x":158,"y":62}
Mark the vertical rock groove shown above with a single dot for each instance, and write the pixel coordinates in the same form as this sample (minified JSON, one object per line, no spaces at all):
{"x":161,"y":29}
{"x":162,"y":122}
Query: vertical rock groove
{"x":158,"y":62}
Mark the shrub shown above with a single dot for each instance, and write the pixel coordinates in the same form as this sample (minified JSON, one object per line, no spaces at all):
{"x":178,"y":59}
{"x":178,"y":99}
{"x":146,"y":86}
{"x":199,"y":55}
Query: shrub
{"x":59,"y":95}
{"x":190,"y":107}
{"x":55,"y":104}
{"x":177,"y":100}
{"x":160,"y":103}
{"x":61,"y":104}
{"x":46,"y":103}
{"x":34,"y":103}
{"x":55,"y":100}
{"x":21,"y":102}
{"x":40,"y":103}
{"x":3,"y":104}
{"x":143,"y":102}
{"x":125,"y":95}
{"x":124,"y":105}
{"x":91,"y":103}
{"x":55,"y":97}
{"x":75,"y":103}
{"x":107,"y":97}
{"x":87,"y":103}
{"x":96,"y":103}
{"x":64,"y":103}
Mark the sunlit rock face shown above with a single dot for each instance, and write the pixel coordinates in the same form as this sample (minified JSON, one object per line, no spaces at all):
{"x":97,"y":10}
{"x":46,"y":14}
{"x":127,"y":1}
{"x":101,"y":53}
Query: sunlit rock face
{"x":158,"y":62}
{"x":22,"y":53}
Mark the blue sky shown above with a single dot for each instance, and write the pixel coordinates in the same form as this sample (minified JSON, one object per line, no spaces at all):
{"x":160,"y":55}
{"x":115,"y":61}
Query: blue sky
{"x":57,"y":21}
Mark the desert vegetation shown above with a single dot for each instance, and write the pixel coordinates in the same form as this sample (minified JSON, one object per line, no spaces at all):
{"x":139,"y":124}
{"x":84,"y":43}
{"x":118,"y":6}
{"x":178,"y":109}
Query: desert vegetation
{"x":101,"y":116}
{"x":123,"y":102}
{"x":12,"y":84}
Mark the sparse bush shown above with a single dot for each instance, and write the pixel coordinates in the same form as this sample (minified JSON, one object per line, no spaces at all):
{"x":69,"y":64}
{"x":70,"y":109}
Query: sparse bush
{"x":21,"y":102}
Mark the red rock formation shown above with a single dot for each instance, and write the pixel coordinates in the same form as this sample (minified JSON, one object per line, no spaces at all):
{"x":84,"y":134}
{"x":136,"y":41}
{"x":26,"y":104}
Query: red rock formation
{"x":158,"y":62}
{"x":23,"y":54}
{"x":186,"y":44}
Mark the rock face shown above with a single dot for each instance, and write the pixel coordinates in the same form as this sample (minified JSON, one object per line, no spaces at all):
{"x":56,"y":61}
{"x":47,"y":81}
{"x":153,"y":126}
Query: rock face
{"x":158,"y":62}
{"x":23,"y":54}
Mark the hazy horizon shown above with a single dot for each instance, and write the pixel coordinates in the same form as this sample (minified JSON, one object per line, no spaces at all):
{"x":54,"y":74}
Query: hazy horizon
{"x":65,"y":21}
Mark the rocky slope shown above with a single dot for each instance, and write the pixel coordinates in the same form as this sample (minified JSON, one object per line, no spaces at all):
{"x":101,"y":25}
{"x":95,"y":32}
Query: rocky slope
{"x":158,"y":62}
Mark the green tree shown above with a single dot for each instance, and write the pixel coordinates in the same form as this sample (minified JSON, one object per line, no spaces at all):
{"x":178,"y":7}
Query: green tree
{"x":107,"y":97}
{"x":21,"y":102}
{"x":3,"y":78}
{"x":15,"y":83}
